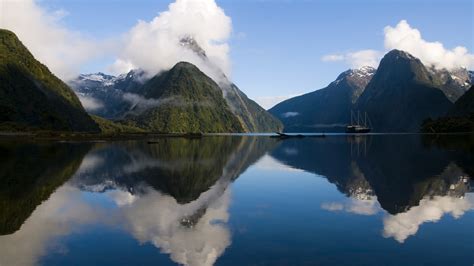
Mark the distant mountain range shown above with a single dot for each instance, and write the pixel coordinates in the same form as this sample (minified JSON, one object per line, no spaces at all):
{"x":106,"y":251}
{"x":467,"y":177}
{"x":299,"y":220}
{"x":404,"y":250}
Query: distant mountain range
{"x":397,"y":96}
{"x":460,"y":118}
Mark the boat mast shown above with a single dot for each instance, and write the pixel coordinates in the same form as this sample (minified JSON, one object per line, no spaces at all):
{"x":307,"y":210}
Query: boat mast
{"x":365,"y":119}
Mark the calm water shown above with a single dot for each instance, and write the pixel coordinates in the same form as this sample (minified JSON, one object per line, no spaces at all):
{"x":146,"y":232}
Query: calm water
{"x":241,"y":200}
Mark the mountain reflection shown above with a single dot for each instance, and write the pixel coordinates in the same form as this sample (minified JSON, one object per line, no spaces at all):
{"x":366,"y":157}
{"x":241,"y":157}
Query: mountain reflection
{"x":29,"y":173}
{"x":414,"y":179}
{"x":173,"y":194}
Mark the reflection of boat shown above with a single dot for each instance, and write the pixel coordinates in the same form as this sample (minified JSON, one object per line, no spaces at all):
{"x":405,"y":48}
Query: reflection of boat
{"x":362,"y":125}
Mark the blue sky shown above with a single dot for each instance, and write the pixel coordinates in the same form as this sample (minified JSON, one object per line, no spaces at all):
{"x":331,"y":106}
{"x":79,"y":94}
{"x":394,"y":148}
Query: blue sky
{"x":276,"y":46}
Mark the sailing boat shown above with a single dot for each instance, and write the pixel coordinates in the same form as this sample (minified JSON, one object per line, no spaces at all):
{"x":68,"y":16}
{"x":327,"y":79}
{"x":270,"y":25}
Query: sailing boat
{"x":362,"y":125}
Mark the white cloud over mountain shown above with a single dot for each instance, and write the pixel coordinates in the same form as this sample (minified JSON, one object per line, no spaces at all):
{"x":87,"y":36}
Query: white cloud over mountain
{"x":405,"y":37}
{"x":356,"y":59}
{"x":155,"y":46}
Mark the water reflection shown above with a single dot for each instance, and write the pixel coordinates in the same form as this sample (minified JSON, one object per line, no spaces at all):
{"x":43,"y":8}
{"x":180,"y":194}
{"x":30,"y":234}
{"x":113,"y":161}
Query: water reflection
{"x":29,"y":173}
{"x":175,"y":196}
{"x":415,"y":180}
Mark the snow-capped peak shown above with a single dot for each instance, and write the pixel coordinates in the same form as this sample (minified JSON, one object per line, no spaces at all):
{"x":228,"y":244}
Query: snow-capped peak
{"x":364,"y":71}
{"x":106,"y":80}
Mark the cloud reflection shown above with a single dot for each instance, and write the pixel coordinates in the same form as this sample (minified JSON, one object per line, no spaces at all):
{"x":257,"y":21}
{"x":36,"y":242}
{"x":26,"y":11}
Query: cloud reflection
{"x":403,"y":225}
{"x":192,"y":234}
{"x":368,"y":206}
{"x":56,"y":217}
{"x":158,"y":219}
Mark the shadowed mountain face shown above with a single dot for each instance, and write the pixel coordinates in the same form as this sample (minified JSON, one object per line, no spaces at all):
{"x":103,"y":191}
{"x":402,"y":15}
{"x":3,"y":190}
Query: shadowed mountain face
{"x":325,"y":109}
{"x":387,"y":167}
{"x":460,"y":117}
{"x":464,"y":106}
{"x":29,"y":173}
{"x":402,"y":94}
{"x":31,"y":97}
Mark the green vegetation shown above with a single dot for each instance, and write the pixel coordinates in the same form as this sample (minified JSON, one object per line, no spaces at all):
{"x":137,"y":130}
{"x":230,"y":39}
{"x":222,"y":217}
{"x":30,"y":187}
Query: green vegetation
{"x":108,"y":127}
{"x":452,"y":124}
{"x":186,"y":101}
{"x":31,"y":97}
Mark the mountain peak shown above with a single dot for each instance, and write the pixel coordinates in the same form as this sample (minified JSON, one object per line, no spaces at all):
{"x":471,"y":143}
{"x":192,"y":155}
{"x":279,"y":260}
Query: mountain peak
{"x":363,"y":72}
{"x":184,"y":64}
{"x":190,"y":43}
{"x":400,"y":54}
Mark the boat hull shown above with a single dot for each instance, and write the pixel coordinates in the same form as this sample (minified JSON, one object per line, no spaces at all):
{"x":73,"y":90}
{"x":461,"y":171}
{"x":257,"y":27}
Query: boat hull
{"x":354,"y":129}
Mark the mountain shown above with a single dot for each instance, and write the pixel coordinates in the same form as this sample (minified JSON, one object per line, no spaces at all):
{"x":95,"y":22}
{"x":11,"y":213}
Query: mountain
{"x":107,"y":92}
{"x":325,"y":109}
{"x":115,"y":97}
{"x":29,"y":173}
{"x":402,"y":94}
{"x":251,"y":115}
{"x":373,"y":167}
{"x":453,"y":83}
{"x":31,"y":97}
{"x":464,"y":105}
{"x":182,"y":99}
{"x":460,"y":118}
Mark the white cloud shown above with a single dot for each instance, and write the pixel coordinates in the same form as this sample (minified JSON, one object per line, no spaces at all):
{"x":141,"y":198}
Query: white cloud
{"x":90,"y":103}
{"x":364,"y":58}
{"x":61,"y":50}
{"x":356,"y":59}
{"x":403,"y":225}
{"x":404,"y":37}
{"x":154,"y":46}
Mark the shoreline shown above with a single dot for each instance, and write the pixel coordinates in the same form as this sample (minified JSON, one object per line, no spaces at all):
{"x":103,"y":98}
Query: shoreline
{"x":82,"y":136}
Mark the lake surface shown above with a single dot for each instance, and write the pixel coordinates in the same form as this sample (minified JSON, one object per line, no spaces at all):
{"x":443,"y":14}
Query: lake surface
{"x":239,"y":200}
